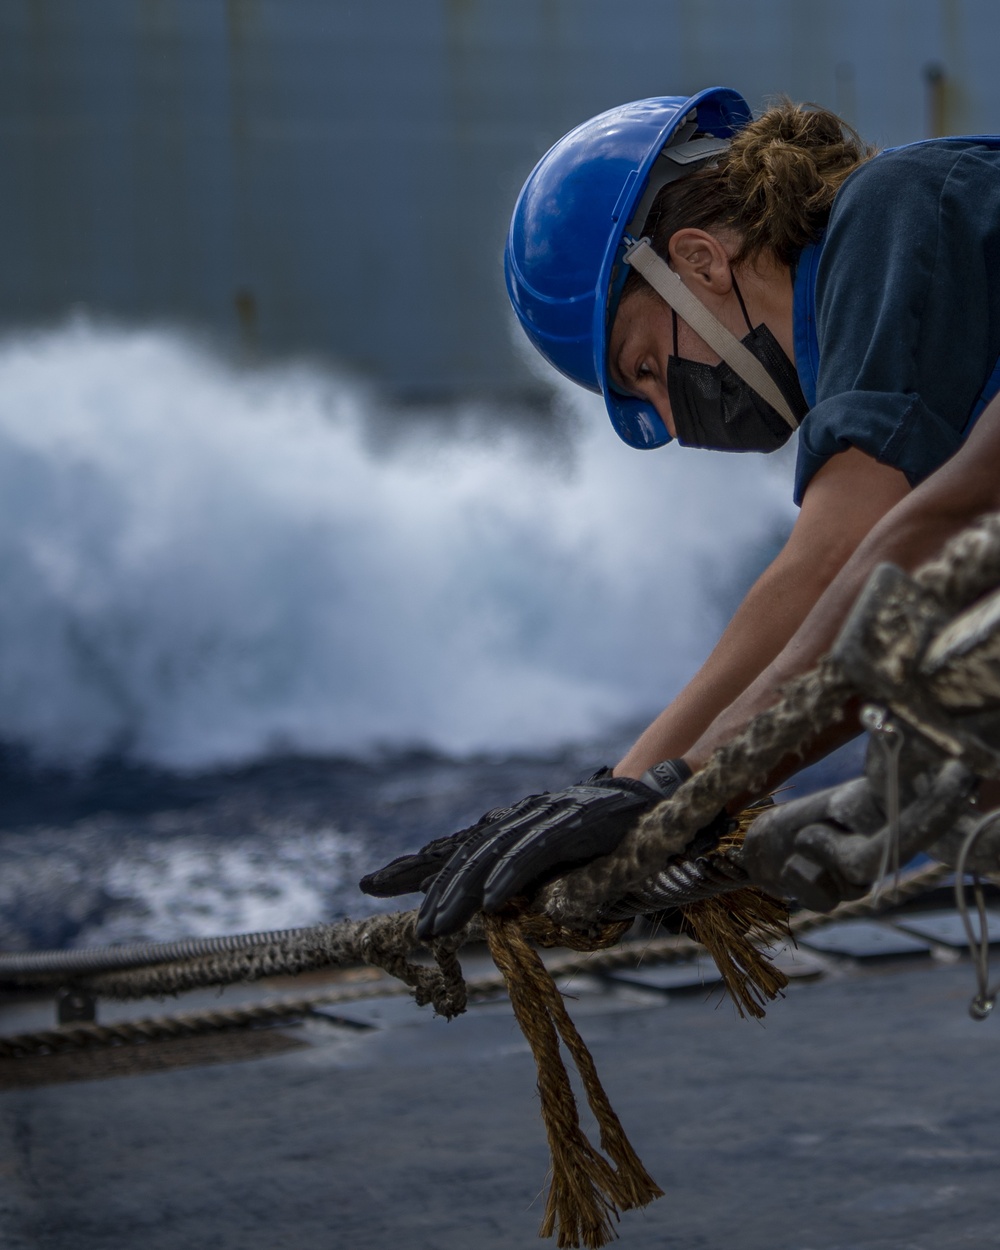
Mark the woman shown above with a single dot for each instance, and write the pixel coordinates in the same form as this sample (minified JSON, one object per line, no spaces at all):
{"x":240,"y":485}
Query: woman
{"x":678,"y":256}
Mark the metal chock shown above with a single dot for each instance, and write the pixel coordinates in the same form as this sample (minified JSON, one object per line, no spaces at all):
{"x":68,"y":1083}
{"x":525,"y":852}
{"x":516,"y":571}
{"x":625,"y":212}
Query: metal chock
{"x":75,"y":1006}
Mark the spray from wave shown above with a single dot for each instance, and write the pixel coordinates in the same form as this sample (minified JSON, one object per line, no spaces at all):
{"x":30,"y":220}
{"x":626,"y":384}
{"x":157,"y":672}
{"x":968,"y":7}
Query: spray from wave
{"x":204,"y":564}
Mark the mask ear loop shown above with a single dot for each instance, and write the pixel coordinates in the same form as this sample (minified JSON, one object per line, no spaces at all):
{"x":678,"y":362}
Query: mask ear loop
{"x":739,"y":296}
{"x":669,"y":286}
{"x":743,"y":310}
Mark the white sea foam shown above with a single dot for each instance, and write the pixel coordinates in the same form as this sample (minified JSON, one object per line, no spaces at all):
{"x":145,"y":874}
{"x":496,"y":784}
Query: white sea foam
{"x":203,"y":564}
{"x":188,"y":886}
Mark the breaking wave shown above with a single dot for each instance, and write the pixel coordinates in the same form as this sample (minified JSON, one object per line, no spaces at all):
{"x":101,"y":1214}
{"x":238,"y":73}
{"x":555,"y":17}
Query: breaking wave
{"x":205,"y":563}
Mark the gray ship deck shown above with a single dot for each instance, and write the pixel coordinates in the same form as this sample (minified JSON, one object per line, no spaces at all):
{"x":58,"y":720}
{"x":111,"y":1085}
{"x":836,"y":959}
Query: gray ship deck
{"x":861,"y":1116}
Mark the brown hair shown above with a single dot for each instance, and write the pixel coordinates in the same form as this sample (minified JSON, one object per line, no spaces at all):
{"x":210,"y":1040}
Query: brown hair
{"x":774,"y":186}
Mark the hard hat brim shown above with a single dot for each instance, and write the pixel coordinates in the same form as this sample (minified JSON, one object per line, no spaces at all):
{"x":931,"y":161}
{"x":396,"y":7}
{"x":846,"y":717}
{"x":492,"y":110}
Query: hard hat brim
{"x":636,"y":421}
{"x":721,"y":112}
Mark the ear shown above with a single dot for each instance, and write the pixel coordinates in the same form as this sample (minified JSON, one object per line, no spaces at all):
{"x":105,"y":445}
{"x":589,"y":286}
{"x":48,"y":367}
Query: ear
{"x":701,"y":260}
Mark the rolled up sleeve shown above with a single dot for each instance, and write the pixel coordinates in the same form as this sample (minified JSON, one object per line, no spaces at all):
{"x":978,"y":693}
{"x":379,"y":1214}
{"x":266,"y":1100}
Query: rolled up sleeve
{"x":907,"y":309}
{"x":894,"y":429}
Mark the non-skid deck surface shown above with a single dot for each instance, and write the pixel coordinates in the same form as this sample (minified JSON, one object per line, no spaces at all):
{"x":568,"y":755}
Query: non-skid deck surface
{"x":861,"y":1116}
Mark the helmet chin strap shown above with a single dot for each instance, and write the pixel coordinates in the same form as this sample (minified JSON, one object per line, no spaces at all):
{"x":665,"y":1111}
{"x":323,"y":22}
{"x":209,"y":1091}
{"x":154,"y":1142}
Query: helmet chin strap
{"x":686,"y":304}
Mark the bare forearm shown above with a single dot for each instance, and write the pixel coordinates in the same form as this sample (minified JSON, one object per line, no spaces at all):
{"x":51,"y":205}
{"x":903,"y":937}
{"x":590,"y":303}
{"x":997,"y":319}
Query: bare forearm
{"x":915,"y":530}
{"x":847,"y":497}
{"x":769,"y":615}
{"x":815,"y":636}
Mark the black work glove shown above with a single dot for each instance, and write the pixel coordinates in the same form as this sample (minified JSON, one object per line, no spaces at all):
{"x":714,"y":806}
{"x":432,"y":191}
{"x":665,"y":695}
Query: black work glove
{"x":408,"y":874}
{"x":511,"y":851}
{"x":539,"y":840}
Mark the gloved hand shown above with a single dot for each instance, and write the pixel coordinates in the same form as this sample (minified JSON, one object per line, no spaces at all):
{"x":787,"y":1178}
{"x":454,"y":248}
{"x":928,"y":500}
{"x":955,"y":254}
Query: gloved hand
{"x":511,"y":851}
{"x":408,"y":874}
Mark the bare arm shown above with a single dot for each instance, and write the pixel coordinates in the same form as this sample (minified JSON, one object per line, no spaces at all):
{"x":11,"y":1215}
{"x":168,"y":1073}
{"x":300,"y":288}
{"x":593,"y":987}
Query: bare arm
{"x":964,"y":488}
{"x":849,"y":495}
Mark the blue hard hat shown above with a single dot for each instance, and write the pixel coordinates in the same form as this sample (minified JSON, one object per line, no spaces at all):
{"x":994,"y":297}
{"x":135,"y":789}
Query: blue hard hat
{"x":563,"y":259}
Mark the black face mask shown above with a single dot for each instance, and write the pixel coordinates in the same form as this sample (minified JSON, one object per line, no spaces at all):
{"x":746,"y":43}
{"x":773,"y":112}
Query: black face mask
{"x":714,"y":408}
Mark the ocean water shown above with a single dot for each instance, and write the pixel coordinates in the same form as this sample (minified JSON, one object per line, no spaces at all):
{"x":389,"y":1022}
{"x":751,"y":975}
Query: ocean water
{"x":260,"y":628}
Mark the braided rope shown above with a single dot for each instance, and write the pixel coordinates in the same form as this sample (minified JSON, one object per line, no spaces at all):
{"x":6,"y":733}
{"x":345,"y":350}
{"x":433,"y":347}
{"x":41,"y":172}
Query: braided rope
{"x":588,"y":1187}
{"x":87,"y":1035}
{"x":967,"y":568}
{"x":65,"y":963}
{"x":675,"y":948}
{"x":380,"y":941}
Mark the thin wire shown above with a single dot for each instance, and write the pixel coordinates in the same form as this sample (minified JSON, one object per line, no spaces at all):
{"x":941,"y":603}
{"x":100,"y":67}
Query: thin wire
{"x":890,"y":739}
{"x":979,"y":948}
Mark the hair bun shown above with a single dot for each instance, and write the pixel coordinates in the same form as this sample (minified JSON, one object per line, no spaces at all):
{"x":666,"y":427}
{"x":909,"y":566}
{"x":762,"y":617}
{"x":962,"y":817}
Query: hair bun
{"x":773,"y":188}
{"x":782,"y":173}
